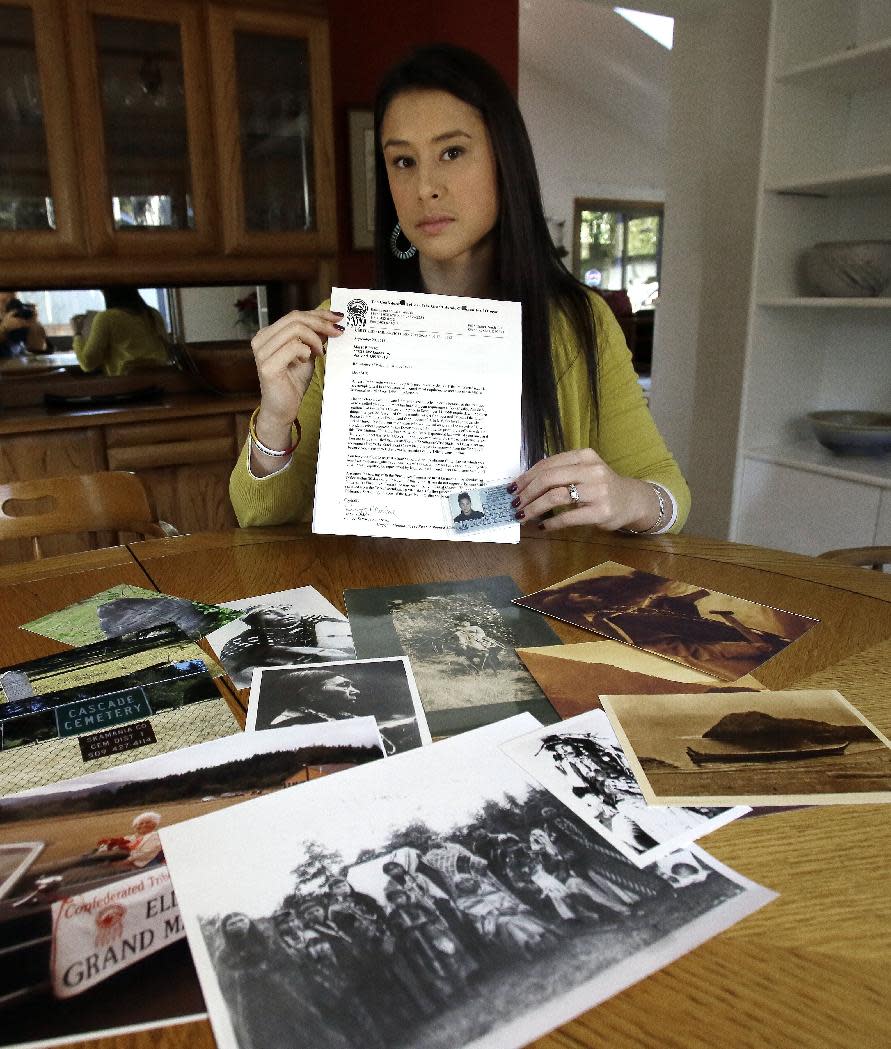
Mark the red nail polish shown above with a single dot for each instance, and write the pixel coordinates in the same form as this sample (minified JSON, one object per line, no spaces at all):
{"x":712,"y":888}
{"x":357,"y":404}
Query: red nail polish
{"x":337,"y":313}
{"x":515,"y":502}
{"x":520,"y":514}
{"x":340,"y":327}
{"x":512,"y":487}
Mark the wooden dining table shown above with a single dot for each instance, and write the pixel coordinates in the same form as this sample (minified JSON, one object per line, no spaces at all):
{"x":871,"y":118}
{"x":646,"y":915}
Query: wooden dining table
{"x":809,"y":970}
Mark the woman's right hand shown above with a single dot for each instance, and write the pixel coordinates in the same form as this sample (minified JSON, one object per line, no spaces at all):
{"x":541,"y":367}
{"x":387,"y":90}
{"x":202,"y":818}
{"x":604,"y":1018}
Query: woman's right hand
{"x":285,"y":355}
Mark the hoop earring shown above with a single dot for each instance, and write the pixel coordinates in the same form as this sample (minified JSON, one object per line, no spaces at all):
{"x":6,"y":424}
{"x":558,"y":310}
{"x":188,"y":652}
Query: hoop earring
{"x":399,"y":253}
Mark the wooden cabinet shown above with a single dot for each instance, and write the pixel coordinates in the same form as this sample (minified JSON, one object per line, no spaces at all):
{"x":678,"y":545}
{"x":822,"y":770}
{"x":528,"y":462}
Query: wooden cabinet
{"x":825,"y":176}
{"x":191,"y":138}
{"x":272,"y":94}
{"x":143,"y":105}
{"x":40,"y":205}
{"x":183,"y":451}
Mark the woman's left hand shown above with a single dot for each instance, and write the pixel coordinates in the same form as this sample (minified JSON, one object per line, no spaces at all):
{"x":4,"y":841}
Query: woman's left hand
{"x":605,"y":499}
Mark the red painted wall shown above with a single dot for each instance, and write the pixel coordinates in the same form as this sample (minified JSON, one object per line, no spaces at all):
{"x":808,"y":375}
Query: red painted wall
{"x":367,"y":37}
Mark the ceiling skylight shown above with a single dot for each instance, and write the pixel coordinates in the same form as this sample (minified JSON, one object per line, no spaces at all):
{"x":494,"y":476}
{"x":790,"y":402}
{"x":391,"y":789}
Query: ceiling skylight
{"x":659,"y":27}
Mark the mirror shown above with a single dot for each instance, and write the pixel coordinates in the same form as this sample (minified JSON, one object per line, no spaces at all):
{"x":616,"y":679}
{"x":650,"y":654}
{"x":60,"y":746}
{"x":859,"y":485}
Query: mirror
{"x":200,"y":338}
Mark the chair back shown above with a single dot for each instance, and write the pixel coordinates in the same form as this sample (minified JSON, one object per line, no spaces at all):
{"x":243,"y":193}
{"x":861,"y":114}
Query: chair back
{"x":115,"y":501}
{"x":876,"y":557}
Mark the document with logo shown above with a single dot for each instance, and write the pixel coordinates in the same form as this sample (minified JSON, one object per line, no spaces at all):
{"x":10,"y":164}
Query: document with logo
{"x":422,"y":402}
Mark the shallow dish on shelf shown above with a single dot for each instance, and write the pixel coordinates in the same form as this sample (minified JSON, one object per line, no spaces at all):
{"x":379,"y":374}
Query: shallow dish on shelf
{"x":853,"y":432}
{"x":848,"y":268}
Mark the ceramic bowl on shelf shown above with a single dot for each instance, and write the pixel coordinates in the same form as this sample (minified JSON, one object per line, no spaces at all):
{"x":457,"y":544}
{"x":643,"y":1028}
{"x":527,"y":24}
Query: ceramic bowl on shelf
{"x":848,"y":268}
{"x":853,"y":432}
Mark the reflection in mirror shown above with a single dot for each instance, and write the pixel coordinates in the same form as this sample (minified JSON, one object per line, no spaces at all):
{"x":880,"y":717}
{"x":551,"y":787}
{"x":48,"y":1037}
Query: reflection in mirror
{"x":207,"y":330}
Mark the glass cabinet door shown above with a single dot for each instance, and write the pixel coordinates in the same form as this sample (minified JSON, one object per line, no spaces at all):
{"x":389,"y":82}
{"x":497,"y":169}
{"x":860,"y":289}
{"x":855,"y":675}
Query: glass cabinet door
{"x":149,"y":176}
{"x":38,"y":177}
{"x":272,"y":102}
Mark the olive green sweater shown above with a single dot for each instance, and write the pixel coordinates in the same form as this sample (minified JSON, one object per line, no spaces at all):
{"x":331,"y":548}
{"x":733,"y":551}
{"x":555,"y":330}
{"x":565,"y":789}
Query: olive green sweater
{"x":626,"y":439}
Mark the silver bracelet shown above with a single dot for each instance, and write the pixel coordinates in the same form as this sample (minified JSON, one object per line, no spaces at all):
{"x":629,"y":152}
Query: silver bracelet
{"x":659,"y":523}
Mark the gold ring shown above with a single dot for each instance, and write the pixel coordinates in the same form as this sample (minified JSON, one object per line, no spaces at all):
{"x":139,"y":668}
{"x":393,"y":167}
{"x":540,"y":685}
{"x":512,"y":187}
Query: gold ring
{"x":573,"y":493}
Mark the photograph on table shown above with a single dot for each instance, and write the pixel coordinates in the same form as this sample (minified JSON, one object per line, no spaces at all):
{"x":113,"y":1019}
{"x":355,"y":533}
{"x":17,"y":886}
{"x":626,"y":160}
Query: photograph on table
{"x":281,"y":629}
{"x":303,"y":695}
{"x":715,"y":633}
{"x":93,"y":941}
{"x":125,"y":608}
{"x":102,"y":704}
{"x":100,"y":661}
{"x":574,"y":677}
{"x":581,"y":762}
{"x":461,"y":638}
{"x":440,"y":899}
{"x":804,"y":747}
{"x":107,"y":704}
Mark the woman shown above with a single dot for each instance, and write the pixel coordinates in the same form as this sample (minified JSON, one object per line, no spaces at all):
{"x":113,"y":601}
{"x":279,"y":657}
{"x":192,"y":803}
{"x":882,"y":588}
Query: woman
{"x":459,"y":213}
{"x":126,"y":336}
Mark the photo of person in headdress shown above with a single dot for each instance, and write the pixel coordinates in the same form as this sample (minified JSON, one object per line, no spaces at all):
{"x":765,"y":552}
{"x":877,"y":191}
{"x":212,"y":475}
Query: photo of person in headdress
{"x":275,"y":637}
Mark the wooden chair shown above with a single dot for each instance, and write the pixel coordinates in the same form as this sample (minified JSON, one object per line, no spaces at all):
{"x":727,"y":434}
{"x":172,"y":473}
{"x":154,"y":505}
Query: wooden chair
{"x":115,"y":501}
{"x":875,"y":557}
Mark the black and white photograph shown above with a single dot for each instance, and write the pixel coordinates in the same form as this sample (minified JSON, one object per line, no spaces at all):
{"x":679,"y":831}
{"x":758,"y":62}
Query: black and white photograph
{"x":473,"y":509}
{"x":461,"y":638}
{"x":439,"y":899}
{"x":125,"y":608}
{"x":281,"y":629}
{"x":80,"y":857}
{"x":304,"y":695}
{"x":581,"y":762}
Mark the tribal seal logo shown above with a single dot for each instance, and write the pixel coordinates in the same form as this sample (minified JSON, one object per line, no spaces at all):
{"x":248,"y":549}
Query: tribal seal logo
{"x":357,"y":313}
{"x":110,"y":924}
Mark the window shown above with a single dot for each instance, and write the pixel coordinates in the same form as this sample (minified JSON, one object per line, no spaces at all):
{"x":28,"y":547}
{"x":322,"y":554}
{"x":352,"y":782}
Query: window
{"x":618,"y":246}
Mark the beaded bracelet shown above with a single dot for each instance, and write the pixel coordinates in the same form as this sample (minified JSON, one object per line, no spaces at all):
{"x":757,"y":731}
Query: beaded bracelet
{"x":261,"y":447}
{"x":659,"y":523}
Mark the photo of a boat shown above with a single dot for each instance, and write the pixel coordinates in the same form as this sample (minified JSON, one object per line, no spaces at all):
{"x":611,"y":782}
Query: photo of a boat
{"x":731,"y":754}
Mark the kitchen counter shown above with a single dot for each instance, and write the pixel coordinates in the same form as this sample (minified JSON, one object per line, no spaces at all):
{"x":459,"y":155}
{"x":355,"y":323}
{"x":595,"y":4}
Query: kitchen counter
{"x":34,"y":418}
{"x":182,"y":446}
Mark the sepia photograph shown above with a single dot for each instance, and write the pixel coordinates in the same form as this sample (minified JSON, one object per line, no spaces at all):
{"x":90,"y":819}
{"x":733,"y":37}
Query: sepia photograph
{"x":281,"y":629}
{"x":440,"y":900}
{"x":581,"y":762}
{"x":125,"y":608}
{"x":806,"y":747}
{"x":84,"y":857}
{"x":717,"y":634}
{"x":461,"y":639}
{"x":574,"y":677}
{"x":304,"y":695}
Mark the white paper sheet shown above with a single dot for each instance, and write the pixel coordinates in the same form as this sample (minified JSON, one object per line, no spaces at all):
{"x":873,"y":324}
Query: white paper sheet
{"x":422,"y":398}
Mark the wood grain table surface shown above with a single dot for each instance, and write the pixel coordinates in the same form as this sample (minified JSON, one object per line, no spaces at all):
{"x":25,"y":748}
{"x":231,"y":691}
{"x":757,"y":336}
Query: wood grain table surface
{"x":809,"y":970}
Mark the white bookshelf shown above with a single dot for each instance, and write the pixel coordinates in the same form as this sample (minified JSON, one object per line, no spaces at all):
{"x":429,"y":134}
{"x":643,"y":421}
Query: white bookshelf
{"x":862,"y":68}
{"x":825,"y":176}
{"x":811,"y":302}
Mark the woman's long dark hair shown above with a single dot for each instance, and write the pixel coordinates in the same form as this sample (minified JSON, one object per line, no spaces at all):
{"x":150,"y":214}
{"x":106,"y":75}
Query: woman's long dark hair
{"x":125,"y":297}
{"x":528,"y":268}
